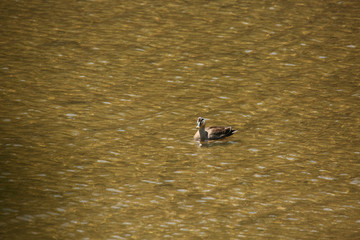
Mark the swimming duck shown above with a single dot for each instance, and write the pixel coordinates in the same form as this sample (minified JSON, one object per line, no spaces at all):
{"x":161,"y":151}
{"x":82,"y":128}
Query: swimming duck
{"x":211,"y":133}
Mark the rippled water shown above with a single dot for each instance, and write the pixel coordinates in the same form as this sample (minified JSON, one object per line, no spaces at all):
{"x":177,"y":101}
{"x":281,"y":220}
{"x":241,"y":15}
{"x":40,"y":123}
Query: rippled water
{"x":99,"y":108}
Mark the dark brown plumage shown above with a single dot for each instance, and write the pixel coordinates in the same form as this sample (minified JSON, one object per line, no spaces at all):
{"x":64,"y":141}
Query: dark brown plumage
{"x":211,"y":133}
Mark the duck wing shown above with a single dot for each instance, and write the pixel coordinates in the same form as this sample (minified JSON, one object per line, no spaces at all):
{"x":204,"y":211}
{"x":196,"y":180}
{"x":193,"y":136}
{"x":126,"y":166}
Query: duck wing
{"x":215,"y":133}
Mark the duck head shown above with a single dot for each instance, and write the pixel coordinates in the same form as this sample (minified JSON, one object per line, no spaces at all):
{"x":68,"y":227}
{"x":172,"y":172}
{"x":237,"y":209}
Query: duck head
{"x":200,"y":122}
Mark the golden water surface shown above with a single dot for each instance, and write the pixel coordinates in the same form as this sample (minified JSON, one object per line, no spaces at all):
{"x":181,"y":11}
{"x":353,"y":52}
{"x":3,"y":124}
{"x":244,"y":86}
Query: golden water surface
{"x":99,"y":101}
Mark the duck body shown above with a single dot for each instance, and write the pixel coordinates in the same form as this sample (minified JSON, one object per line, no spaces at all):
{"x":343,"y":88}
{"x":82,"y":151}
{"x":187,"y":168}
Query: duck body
{"x":211,"y":133}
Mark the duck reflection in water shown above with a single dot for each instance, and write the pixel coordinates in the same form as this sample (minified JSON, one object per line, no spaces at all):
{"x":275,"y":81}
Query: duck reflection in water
{"x":211,"y":133}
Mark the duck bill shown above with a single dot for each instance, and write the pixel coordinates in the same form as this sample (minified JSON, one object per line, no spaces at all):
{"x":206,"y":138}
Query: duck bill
{"x":198,"y":125}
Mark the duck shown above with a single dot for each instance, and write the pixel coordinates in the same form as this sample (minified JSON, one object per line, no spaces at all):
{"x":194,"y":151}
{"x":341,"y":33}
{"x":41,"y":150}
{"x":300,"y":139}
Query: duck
{"x":211,"y":133}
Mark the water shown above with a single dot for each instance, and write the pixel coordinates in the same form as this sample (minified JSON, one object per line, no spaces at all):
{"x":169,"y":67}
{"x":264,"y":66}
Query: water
{"x":99,"y":107}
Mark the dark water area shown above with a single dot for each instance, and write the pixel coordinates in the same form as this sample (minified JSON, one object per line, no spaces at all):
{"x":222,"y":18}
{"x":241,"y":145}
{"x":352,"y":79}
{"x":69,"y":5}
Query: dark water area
{"x":99,"y":102}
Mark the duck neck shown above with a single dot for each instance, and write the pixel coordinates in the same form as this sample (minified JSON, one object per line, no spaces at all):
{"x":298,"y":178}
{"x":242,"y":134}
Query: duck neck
{"x":203,"y":134}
